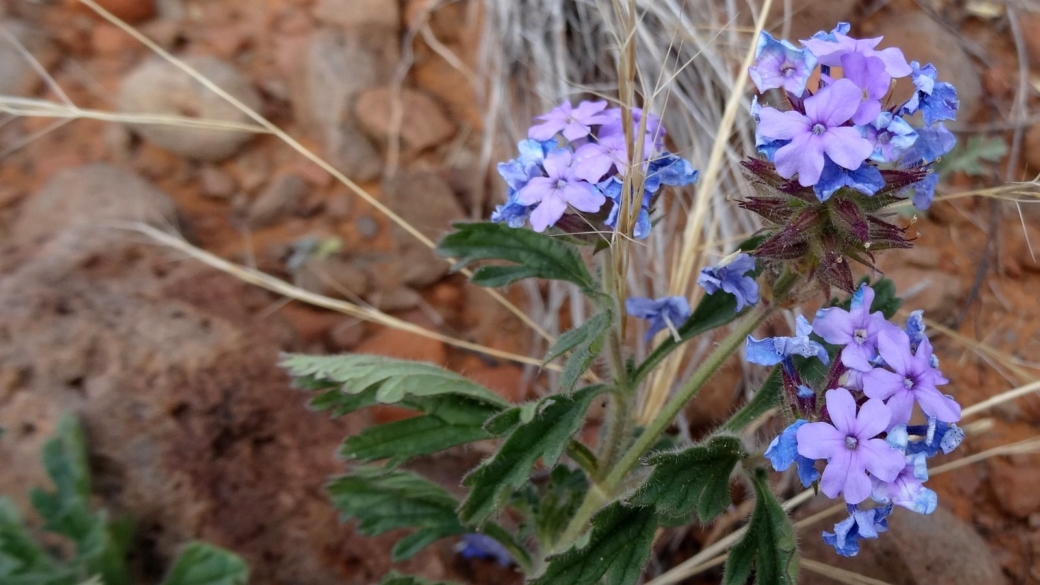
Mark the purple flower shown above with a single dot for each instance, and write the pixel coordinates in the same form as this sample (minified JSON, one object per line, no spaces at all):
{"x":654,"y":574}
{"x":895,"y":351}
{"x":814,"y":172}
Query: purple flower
{"x":772,"y":350}
{"x":592,"y":161}
{"x":767,"y":147}
{"x":936,"y":100}
{"x":859,"y":524}
{"x":528,"y":165}
{"x":611,"y":187}
{"x":911,"y":378}
{"x":924,"y":191}
{"x":783,"y":452}
{"x":868,"y":73}
{"x":479,"y":546}
{"x":729,"y":276}
{"x":573,"y":122}
{"x":560,"y":188}
{"x":857,"y":329}
{"x":849,"y":445}
{"x":931,"y":143}
{"x":671,"y":170}
{"x":655,"y":133}
{"x":664,"y":313}
{"x":821,"y":130}
{"x":907,"y":489}
{"x":781,"y":64}
{"x":829,"y":52}
{"x":512,"y":212}
{"x":890,"y":135}
{"x":866,"y":179}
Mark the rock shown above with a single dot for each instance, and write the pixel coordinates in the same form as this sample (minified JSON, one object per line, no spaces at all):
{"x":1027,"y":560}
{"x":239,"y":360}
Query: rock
{"x":811,"y":16}
{"x":924,"y":40}
{"x":423,"y":121}
{"x":91,"y":196}
{"x":216,"y":183}
{"x":324,"y":91}
{"x":334,"y":277}
{"x":157,"y":87}
{"x":418,"y":265}
{"x":403,"y":345}
{"x":281,"y":198}
{"x":1015,"y":485}
{"x":349,"y":150}
{"x":17,"y":76}
{"x":339,"y":205}
{"x":359,"y":13}
{"x":917,"y":550}
{"x":395,"y":299}
{"x":347,"y":335}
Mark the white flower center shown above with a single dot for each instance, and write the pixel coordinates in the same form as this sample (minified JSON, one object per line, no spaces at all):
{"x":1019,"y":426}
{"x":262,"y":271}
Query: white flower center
{"x":860,"y":335}
{"x":560,"y":184}
{"x":818,"y":129}
{"x":851,"y":442}
{"x":908,"y":382}
{"x":788,"y":69}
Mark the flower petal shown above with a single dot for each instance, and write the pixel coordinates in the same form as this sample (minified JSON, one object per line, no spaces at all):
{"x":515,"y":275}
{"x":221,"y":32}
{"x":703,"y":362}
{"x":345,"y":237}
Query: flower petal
{"x":782,"y":125}
{"x":841,"y":407}
{"x":535,"y":191}
{"x":583,"y":197}
{"x":894,"y":346}
{"x":846,"y":147}
{"x":548,"y":212}
{"x":881,"y":384}
{"x":873,"y":418}
{"x":880,"y":459}
{"x":820,"y":441}
{"x":938,"y":405}
{"x":835,"y":475}
{"x":833,"y":105}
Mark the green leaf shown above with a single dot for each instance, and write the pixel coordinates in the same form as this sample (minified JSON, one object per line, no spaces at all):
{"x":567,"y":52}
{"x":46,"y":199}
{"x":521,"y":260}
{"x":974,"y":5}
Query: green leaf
{"x":769,"y":546}
{"x":617,"y":549}
{"x":969,"y":157}
{"x":544,"y":437}
{"x":588,"y":341}
{"x":766,"y":398}
{"x":583,"y":334}
{"x":383,"y":501}
{"x":203,"y":564}
{"x":395,"y":578}
{"x":532,"y":255}
{"x":558,"y":502}
{"x":449,"y":421}
{"x":19,"y":554}
{"x":693,"y":480}
{"x":712,"y":312}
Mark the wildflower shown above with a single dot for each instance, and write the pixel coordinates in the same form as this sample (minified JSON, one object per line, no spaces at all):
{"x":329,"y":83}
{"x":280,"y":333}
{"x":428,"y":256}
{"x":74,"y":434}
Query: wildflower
{"x":868,"y":73}
{"x":857,"y":329}
{"x":821,"y":130}
{"x":729,"y":276}
{"x":907,"y":489}
{"x":829,"y":49}
{"x":924,"y":191}
{"x":528,"y":165}
{"x":512,"y":212}
{"x":668,"y":169}
{"x":850,"y":446}
{"x":931,"y":143}
{"x":915,"y":328}
{"x":937,"y":436}
{"x":781,"y":64}
{"x":866,"y":179}
{"x":554,"y":192}
{"x":653,"y":135}
{"x":573,"y":123}
{"x":936,"y":100}
{"x":783,"y":452}
{"x":890,"y":135}
{"x":594,"y":160}
{"x":772,"y":350}
{"x":767,"y":147}
{"x":664,"y":313}
{"x":909,"y":378}
{"x":479,"y":546}
{"x":860,"y":524}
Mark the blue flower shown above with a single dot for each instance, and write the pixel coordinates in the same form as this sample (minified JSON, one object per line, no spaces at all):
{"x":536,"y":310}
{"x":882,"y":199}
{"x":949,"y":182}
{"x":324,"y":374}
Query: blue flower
{"x":671,"y":170}
{"x":907,"y":489}
{"x":512,"y":212}
{"x":611,"y":187}
{"x":772,"y":350}
{"x":891,"y":136}
{"x":729,"y":276}
{"x":937,"y":100}
{"x":781,"y":64}
{"x":915,"y":328}
{"x":479,"y":546}
{"x":843,"y":28}
{"x":783,"y":452}
{"x":931,"y":143}
{"x":924,"y":191}
{"x":937,"y":436}
{"x":767,"y":147}
{"x":664,"y":313}
{"x":528,"y":165}
{"x":859,"y":524}
{"x":866,"y":179}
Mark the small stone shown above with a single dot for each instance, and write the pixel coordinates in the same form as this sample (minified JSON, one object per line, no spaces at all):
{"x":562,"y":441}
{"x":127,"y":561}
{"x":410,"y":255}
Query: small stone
{"x":334,"y":277}
{"x":347,"y":335}
{"x":339,"y":206}
{"x":415,"y":263}
{"x":423,"y":123}
{"x":367,"y":227}
{"x":997,"y":82}
{"x":396,"y":299}
{"x":109,"y":40}
{"x":216,"y":183}
{"x":163,"y":31}
{"x":359,"y":13}
{"x":280,"y":199}
{"x":157,"y":87}
{"x":1015,"y":485}
{"x":351,"y":152}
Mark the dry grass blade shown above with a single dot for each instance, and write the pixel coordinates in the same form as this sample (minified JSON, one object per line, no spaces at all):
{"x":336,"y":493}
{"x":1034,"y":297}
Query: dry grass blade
{"x":1008,"y":396}
{"x":276,"y":285}
{"x":839,"y":575}
{"x":295,"y":145}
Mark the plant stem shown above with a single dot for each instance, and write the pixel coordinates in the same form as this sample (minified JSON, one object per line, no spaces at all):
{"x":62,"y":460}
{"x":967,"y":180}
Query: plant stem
{"x":620,"y":413}
{"x":602,"y":493}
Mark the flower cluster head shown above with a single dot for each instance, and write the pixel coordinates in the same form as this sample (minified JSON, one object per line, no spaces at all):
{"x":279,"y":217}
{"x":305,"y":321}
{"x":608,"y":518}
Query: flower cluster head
{"x":576,"y":158}
{"x":858,"y":434}
{"x":835,"y":155}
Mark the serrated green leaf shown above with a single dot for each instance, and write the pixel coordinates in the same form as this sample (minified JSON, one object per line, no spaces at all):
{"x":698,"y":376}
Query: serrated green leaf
{"x":969,"y":156}
{"x":383,"y":501}
{"x":203,"y":564}
{"x":767,"y":397}
{"x":19,"y":553}
{"x":545,"y":438}
{"x":586,"y":341}
{"x":506,"y":421}
{"x":533,"y":255}
{"x":712,"y":312}
{"x":769,"y":547}
{"x":557,"y":502}
{"x":692,"y":480}
{"x":395,"y":578}
{"x":583,"y":334}
{"x":618,"y":547}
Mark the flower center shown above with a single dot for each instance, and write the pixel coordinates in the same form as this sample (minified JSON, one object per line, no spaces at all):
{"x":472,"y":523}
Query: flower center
{"x":851,"y":442}
{"x":908,"y":382}
{"x":560,"y":184}
{"x":860,"y":335}
{"x":787,"y":70}
{"x":884,"y":138}
{"x":818,"y":129}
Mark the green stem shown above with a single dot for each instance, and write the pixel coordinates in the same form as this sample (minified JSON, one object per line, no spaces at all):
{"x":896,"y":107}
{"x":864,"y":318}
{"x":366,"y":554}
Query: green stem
{"x":646,"y":440}
{"x":584,"y":457}
{"x":620,"y":415}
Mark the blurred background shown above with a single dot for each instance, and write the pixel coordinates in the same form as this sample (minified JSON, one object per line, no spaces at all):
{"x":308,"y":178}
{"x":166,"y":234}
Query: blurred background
{"x":171,"y":365}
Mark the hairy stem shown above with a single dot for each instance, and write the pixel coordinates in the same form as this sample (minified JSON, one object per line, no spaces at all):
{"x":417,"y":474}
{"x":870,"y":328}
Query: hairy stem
{"x":616,"y":431}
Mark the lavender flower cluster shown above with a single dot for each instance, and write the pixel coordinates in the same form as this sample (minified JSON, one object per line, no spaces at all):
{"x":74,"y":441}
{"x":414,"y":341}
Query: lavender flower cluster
{"x":862,"y":434}
{"x":844,"y":133}
{"x":577,"y":157}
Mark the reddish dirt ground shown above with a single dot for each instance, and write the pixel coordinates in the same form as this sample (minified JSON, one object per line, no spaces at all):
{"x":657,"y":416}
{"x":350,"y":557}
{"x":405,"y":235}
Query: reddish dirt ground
{"x":195,"y":432}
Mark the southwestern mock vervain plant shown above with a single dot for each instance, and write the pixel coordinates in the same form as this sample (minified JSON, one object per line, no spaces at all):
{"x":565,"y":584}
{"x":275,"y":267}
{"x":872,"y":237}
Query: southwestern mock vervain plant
{"x":832,"y":158}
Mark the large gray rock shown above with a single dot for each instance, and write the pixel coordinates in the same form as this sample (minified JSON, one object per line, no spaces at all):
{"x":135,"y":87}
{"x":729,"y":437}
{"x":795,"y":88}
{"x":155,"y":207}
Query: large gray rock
{"x":157,"y":87}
